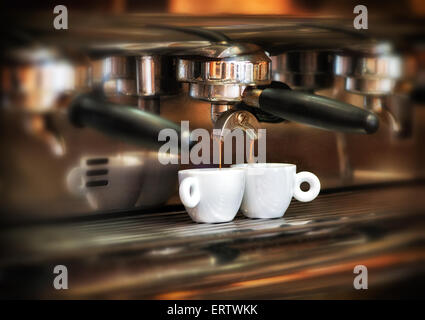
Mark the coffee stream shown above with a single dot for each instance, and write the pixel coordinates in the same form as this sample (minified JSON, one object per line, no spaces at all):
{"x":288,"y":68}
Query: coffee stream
{"x":219,"y":151}
{"x":251,"y":151}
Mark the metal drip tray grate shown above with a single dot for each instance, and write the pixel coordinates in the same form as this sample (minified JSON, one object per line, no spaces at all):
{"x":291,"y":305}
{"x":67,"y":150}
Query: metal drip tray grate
{"x":309,"y":253}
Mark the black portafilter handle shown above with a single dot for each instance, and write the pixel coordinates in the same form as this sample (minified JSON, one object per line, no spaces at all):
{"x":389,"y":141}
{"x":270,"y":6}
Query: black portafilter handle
{"x":124,"y":122}
{"x":313,"y":110}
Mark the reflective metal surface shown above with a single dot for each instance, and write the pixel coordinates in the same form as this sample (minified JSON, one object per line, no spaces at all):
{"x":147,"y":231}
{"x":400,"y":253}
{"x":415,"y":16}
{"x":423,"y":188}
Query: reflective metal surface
{"x":171,"y":33}
{"x":310,"y":253}
{"x":236,"y":119}
{"x":37,"y":187}
{"x":220,"y":93}
{"x":251,"y":68}
{"x":38,"y":79}
{"x":156,"y":75}
{"x":220,"y":73}
{"x":379,"y":74}
{"x":369,"y":75}
{"x":304,"y":70}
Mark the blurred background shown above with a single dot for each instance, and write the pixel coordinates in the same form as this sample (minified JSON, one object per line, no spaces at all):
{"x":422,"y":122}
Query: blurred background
{"x":274,"y":7}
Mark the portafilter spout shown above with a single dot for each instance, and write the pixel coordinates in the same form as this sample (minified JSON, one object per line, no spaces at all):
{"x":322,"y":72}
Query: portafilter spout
{"x":236,"y":119}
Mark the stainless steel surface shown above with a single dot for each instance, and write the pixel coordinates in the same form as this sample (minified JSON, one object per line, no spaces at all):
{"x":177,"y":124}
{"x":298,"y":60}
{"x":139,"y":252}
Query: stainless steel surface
{"x":251,"y":96}
{"x":117,"y":88}
{"x":116,"y":75}
{"x":369,"y":86}
{"x":217,"y":110}
{"x":379,"y":63}
{"x":166,"y":32}
{"x":220,"y":73}
{"x":36,"y":187}
{"x":38,"y":79}
{"x":156,"y":75}
{"x":310,"y":253}
{"x":304,"y":70}
{"x":118,"y":67}
{"x":250,"y":68}
{"x":236,"y":119}
{"x":379,"y":73}
{"x":219,"y":93}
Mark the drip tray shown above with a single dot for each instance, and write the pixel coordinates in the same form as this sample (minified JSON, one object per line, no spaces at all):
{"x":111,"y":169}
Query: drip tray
{"x":310,"y":253}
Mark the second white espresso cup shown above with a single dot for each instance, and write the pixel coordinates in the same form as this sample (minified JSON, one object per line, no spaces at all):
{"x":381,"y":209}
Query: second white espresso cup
{"x":269,"y":188}
{"x":212,"y":195}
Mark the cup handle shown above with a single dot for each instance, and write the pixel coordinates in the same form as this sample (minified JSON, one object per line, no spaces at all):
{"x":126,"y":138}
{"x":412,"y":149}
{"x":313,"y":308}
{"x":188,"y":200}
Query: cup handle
{"x":312,"y":180}
{"x":189,"y":192}
{"x":74,"y":181}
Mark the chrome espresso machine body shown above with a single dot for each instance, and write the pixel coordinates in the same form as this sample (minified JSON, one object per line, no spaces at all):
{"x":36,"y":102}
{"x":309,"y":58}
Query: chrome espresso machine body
{"x":90,"y":101}
{"x":155,"y":63}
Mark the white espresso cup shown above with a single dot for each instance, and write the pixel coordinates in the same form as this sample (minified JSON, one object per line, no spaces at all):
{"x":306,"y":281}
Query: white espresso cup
{"x":212,"y":195}
{"x":269,"y":188}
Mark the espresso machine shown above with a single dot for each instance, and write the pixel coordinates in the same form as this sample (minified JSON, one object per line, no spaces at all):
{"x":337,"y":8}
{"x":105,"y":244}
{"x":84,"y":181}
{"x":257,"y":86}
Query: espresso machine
{"x":82,"y":186}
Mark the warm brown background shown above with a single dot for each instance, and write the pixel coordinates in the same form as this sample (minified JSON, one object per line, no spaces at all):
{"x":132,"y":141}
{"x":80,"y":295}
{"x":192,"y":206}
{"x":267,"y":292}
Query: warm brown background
{"x":304,"y":7}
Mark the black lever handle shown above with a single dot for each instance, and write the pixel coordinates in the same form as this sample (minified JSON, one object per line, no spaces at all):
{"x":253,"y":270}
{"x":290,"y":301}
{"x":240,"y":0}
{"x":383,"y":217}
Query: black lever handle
{"x":314,"y":110}
{"x":125,"y":122}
